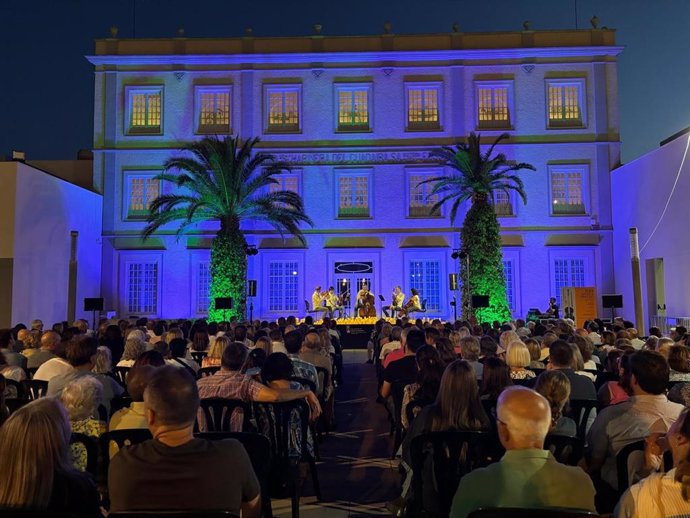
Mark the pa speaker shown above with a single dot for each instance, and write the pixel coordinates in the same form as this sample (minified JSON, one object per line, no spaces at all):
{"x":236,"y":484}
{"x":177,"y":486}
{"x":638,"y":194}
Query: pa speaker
{"x":612,"y":301}
{"x":251,"y":288}
{"x":453,"y":281}
{"x":223,"y":302}
{"x":93,"y":304}
{"x":480,"y":301}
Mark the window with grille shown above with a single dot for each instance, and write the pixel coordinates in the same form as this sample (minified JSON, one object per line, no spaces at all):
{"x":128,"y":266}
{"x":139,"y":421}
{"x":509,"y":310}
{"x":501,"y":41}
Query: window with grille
{"x":353,"y":196}
{"x":282,"y":285}
{"x":565,"y":103}
{"x":503,"y":204}
{"x":283,"y":108}
{"x":494,"y":105}
{"x":213,"y":109}
{"x":286,"y":182}
{"x":142,"y":288}
{"x":423,"y":111}
{"x":568,"y":190}
{"x":425,"y":277}
{"x":141,"y":191}
{"x":421,"y":200}
{"x":509,"y":275}
{"x":353,"y":107}
{"x":568,"y":273}
{"x":144,"y":110}
{"x":203,"y":286}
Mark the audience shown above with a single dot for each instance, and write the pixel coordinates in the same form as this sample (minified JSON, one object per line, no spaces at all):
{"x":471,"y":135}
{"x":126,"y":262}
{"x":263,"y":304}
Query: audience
{"x":562,"y":357}
{"x":555,"y":387}
{"x":679,"y":362}
{"x":469,"y":350}
{"x":496,"y":379}
{"x":50,"y":341}
{"x":425,"y":390}
{"x":215,"y":352}
{"x":134,"y":347}
{"x":133,"y":416}
{"x":404,"y":369}
{"x":518,"y":358}
{"x":303,"y":369}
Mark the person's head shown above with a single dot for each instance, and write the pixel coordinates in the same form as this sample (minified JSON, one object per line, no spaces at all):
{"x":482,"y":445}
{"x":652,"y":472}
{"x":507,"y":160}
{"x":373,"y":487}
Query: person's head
{"x":517,"y":355}
{"x":487,"y":346}
{"x":81,"y":398}
{"x":32,"y":339}
{"x":37,"y":325}
{"x":133,"y":348}
{"x":277,"y":366}
{"x":396,"y":332}
{"x":23,"y":335}
{"x":429,"y":371}
{"x":507,"y":338}
{"x":457,"y":405}
{"x":431,"y":334}
{"x":552,"y":300}
{"x":152,"y":357}
{"x":555,"y":387}
{"x":174,"y":332}
{"x":585,"y":346}
{"x":534,"y":349}
{"x":293,"y":342}
{"x":234,"y":356}
{"x":495,"y":378}
{"x":678,"y":333}
{"x":649,"y":373}
{"x":171,"y":400}
{"x":678,"y":440}
{"x":35,"y":445}
{"x":219,"y":345}
{"x":679,"y":358}
{"x":414,"y":291}
{"x":446,"y":350}
{"x":312,"y":341}
{"x":523,"y":417}
{"x":561,"y":355}
{"x":255,"y":359}
{"x":137,"y":380}
{"x":264,"y":343}
{"x":178,"y":348}
{"x":240,"y":333}
{"x":415,"y":339}
{"x":470,"y":348}
{"x":201,"y":340}
{"x":81,"y":351}
{"x":50,"y":341}
{"x":103,"y":361}
{"x":163,"y":348}
{"x":663,"y":346}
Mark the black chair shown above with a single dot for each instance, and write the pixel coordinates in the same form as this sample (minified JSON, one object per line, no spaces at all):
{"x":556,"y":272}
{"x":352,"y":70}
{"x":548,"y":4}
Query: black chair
{"x":397,"y":394}
{"x":218,"y":413}
{"x":579,"y":411}
{"x":199,"y":356}
{"x":490,"y":408}
{"x":605,"y":377}
{"x":118,"y":403}
{"x":16,"y":387}
{"x":324,"y":381}
{"x":509,"y":512}
{"x":14,"y":404}
{"x":30,"y":372}
{"x":121,"y":438}
{"x":33,"y":513}
{"x":310,"y":311}
{"x":439,"y":461}
{"x":422,"y":309}
{"x":121,"y":375}
{"x":35,"y":389}
{"x":174,"y":514}
{"x":622,"y":467}
{"x":208,"y":371}
{"x":412,"y":409}
{"x":310,"y":385}
{"x":259,"y":450}
{"x":92,"y":451}
{"x":280,"y":423}
{"x":566,"y":450}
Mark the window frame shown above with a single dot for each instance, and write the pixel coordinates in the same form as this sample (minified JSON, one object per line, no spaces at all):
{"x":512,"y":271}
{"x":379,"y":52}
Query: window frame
{"x":509,"y":84}
{"x":581,"y":84}
{"x":572,"y":253}
{"x":584,"y":171}
{"x":424,"y":127}
{"x":127,"y":177}
{"x":353,"y":87}
{"x":294,"y":173}
{"x":512,"y":202}
{"x":512,"y":255}
{"x":439,"y":255}
{"x":411,"y":171}
{"x":196,"y":259}
{"x":363,"y":172}
{"x":283,"y":88}
{"x":144,"y":131}
{"x":283,"y":256}
{"x":139,"y":257}
{"x":218,"y":128}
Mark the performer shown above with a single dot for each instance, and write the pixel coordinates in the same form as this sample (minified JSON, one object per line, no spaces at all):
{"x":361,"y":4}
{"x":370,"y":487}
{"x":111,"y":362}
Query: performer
{"x":361,"y":296}
{"x":411,"y":305}
{"x":553,"y":308}
{"x":396,"y":303}
{"x":317,"y":301}
{"x":333,"y":303}
{"x":364,"y":306}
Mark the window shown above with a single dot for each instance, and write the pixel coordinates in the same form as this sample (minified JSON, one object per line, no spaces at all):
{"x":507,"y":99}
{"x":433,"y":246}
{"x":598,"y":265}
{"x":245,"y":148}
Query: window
{"x":283,"y":108}
{"x":286,"y":182}
{"x":423,"y":111}
{"x":420,"y":198}
{"x":213,"y":113}
{"x":353,"y":107}
{"x":203,"y":285}
{"x":494,"y":103}
{"x":565,"y":103}
{"x":353,"y":195}
{"x":569,"y":187}
{"x":425,"y":277}
{"x":143,"y":110}
{"x":142,"y":288}
{"x":568,"y":273}
{"x":140,"y":191}
{"x":282,"y":285}
{"x":509,"y":275}
{"x":503,"y":204}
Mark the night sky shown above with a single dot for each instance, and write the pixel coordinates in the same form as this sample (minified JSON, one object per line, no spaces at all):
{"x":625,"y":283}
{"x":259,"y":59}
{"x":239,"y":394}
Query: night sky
{"x":46,"y":85}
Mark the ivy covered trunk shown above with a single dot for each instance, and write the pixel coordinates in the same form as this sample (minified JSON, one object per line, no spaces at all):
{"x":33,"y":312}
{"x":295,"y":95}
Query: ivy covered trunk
{"x":481,"y":239}
{"x":228,"y":272}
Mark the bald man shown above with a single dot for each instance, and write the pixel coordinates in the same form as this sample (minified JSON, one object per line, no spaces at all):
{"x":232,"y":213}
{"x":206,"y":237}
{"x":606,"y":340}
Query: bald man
{"x":50,"y":341}
{"x":527,"y":476}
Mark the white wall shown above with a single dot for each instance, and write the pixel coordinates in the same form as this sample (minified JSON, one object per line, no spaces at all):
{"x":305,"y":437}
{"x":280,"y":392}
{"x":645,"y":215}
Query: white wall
{"x":47,"y":209}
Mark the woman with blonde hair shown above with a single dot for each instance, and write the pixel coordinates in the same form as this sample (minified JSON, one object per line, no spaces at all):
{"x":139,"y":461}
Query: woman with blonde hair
{"x":34,"y":443}
{"x":215,"y":353}
{"x":134,"y":347}
{"x":264,"y":343}
{"x":518,"y":358}
{"x":507,"y":338}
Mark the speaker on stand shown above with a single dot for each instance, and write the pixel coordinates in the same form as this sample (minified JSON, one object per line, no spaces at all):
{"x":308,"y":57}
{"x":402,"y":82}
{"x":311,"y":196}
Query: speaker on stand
{"x":612,"y":302}
{"x":251,"y":293}
{"x":224,"y":303}
{"x":93,"y":304}
{"x":453,"y":286}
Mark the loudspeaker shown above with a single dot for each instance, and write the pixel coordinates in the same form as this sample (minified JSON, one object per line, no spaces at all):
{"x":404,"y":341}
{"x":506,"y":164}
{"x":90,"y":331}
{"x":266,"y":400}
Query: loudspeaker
{"x":251,"y":288}
{"x":223,"y":302}
{"x":480,"y":301}
{"x":453,"y":281}
{"x":612,"y":301}
{"x":93,"y":304}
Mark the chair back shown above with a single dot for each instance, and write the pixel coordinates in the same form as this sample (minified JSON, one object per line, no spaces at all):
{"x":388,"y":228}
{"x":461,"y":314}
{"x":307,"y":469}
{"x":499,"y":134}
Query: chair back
{"x":324,"y":381}
{"x":218,"y":413}
{"x":199,"y":356}
{"x":31,"y":371}
{"x":566,"y":449}
{"x":173,"y":514}
{"x":509,"y":512}
{"x":259,"y":450}
{"x":35,"y":389}
{"x":16,"y":387}
{"x":439,"y":461}
{"x":92,"y":451}
{"x":14,"y":404}
{"x":605,"y":377}
{"x":121,"y":439}
{"x":33,"y":513}
{"x":208,"y":371}
{"x":306,"y":383}
{"x":118,"y":403}
{"x":121,"y":375}
{"x":412,"y":409}
{"x":280,"y":427}
{"x":579,"y":411}
{"x":623,"y":464}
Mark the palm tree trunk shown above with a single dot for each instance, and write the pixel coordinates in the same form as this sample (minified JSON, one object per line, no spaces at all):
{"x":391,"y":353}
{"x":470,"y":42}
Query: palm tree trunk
{"x":228,"y":272}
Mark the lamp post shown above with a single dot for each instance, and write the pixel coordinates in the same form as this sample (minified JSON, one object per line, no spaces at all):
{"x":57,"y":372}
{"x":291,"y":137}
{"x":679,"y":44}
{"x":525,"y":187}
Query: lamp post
{"x":460,"y":254}
{"x":637,"y":281}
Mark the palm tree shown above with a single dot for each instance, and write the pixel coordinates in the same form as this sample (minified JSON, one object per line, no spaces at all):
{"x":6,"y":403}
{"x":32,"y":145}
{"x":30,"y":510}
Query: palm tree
{"x":476,"y":177}
{"x":225,"y":181}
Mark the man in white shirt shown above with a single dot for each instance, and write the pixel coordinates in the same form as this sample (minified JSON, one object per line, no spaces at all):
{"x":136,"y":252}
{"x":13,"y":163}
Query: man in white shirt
{"x":394,"y":343}
{"x":594,"y":335}
{"x":634,"y":339}
{"x":397,"y":302}
{"x":317,"y":299}
{"x":54,"y":367}
{"x":277,"y":341}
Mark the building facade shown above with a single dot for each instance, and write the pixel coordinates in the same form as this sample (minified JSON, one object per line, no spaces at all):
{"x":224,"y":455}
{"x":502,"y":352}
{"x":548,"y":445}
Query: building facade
{"x":356,"y":118}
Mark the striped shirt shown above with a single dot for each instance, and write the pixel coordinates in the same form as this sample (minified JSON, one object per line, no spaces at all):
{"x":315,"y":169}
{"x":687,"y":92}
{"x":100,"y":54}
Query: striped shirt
{"x":657,"y":496}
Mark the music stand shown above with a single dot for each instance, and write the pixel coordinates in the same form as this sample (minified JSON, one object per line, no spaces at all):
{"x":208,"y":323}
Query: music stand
{"x":382,"y":299}
{"x":93,"y":304}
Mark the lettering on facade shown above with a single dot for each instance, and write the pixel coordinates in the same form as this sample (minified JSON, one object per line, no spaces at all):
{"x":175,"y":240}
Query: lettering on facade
{"x":357,"y":157}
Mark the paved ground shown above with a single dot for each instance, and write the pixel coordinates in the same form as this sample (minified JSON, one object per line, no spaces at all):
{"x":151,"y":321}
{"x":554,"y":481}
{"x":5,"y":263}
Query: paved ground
{"x":355,"y":472}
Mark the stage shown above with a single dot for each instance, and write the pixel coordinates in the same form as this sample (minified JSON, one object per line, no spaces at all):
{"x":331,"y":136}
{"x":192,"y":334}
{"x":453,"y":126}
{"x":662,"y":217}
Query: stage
{"x":355,"y":336}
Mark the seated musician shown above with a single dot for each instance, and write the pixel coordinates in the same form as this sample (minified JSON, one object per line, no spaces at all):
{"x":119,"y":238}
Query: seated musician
{"x":333,"y":303}
{"x":361,"y":297}
{"x":553,"y":308}
{"x":411,"y":305}
{"x":397,"y":303}
{"x":317,"y":301}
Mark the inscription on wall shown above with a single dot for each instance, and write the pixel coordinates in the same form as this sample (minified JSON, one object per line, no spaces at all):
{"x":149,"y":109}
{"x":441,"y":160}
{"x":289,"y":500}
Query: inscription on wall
{"x":357,"y":157}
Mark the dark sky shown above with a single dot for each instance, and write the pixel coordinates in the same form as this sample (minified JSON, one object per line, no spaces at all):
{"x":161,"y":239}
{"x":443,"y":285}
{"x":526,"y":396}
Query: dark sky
{"x":46,"y":85}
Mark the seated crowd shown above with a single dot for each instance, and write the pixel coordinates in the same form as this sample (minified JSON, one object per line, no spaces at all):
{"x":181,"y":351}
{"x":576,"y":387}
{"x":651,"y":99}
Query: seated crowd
{"x":518,"y":390}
